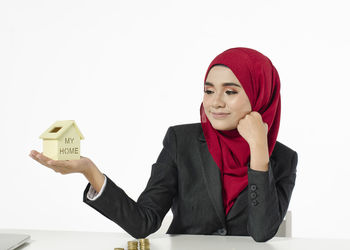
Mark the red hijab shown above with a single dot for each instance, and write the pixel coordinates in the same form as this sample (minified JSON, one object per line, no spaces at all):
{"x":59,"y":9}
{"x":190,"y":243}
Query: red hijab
{"x":231,"y":152}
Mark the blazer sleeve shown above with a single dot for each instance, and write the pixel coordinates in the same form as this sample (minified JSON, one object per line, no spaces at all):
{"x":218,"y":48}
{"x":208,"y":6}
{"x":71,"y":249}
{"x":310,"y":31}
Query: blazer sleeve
{"x":269,"y":199}
{"x":144,"y":216}
{"x":93,"y":194}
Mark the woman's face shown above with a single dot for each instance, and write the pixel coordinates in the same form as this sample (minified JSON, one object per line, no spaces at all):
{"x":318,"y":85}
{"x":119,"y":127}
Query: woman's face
{"x":228,"y":98}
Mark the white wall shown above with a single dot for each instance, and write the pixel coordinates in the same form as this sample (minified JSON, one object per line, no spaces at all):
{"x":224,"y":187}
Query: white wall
{"x":125,"y":71}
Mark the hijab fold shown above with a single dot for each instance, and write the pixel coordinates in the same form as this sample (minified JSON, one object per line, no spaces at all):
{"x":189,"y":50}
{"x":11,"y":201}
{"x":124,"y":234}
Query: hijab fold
{"x":230,"y":151}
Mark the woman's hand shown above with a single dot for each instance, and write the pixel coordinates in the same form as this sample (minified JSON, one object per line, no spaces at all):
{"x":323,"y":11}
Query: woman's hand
{"x":82,"y":165}
{"x":253,"y":129}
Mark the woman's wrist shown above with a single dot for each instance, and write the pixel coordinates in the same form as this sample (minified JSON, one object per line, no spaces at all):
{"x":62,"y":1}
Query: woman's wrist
{"x":259,"y":159}
{"x":94,"y":176}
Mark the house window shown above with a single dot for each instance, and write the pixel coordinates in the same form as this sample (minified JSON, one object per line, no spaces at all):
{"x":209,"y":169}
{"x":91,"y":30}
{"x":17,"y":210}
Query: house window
{"x":55,"y":129}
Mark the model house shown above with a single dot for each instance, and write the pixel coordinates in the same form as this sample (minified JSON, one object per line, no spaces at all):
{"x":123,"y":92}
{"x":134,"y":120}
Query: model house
{"x":61,"y":141}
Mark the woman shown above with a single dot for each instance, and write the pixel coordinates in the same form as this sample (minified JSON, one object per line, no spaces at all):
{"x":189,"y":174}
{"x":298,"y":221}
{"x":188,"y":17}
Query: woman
{"x":225,"y":175}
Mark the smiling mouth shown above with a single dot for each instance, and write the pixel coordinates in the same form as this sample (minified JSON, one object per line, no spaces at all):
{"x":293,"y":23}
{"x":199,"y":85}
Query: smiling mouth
{"x":220,"y":115}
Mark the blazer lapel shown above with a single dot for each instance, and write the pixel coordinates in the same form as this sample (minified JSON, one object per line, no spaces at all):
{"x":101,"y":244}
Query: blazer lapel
{"x":240,"y":204}
{"x":211,"y":174}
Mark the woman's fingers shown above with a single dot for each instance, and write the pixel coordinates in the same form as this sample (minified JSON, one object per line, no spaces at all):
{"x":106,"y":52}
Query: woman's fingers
{"x":67,"y":166}
{"x":44,"y":160}
{"x":59,"y":163}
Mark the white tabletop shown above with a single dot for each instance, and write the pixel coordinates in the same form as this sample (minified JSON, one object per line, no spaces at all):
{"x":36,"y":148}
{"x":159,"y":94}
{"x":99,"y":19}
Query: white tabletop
{"x":44,"y":239}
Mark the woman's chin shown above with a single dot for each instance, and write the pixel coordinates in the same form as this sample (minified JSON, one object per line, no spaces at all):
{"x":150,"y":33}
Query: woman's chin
{"x":219,"y":125}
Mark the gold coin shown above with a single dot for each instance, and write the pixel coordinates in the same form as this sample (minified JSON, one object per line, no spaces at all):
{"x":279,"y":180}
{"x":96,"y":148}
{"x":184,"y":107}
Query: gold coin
{"x":144,"y":244}
{"x":144,"y":241}
{"x":132,"y":245}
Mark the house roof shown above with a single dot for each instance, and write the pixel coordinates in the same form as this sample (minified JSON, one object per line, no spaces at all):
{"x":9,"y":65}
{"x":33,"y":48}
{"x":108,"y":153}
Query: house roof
{"x":57,"y":129}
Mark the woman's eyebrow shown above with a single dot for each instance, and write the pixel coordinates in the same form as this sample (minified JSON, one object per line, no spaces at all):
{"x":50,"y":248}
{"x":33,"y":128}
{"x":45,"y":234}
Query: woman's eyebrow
{"x":224,"y":84}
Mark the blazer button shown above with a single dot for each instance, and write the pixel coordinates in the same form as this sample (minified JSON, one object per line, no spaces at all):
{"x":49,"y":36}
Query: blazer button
{"x":255,"y":202}
{"x":253,"y":187}
{"x":253,"y":195}
{"x":222,"y":231}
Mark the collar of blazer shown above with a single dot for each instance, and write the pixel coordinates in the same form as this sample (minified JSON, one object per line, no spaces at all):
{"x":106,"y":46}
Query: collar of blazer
{"x":211,"y":175}
{"x":201,"y":135}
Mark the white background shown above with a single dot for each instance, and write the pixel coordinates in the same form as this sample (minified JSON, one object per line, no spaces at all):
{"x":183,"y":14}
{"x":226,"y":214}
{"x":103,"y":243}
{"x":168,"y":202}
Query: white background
{"x":127,"y":70}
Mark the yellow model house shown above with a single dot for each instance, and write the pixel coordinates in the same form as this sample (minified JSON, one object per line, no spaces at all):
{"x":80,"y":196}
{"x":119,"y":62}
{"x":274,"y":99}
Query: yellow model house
{"x":61,"y":141}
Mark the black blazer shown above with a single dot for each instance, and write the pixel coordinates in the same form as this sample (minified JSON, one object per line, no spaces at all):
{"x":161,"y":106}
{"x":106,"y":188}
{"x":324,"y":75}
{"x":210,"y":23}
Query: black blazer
{"x":186,"y":179}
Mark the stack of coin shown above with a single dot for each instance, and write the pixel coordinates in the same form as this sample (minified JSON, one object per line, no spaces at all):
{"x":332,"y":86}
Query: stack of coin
{"x":118,"y":248}
{"x":132,"y":245}
{"x":144,"y":244}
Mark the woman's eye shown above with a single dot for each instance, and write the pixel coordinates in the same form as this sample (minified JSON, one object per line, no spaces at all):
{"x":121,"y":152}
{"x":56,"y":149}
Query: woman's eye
{"x":230,"y":92}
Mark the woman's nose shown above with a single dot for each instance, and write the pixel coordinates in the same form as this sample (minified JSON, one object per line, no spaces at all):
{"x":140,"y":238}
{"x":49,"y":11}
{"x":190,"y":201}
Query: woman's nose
{"x":218,"y":101}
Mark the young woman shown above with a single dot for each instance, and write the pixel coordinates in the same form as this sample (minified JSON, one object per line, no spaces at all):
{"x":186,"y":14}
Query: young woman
{"x":224,"y":175}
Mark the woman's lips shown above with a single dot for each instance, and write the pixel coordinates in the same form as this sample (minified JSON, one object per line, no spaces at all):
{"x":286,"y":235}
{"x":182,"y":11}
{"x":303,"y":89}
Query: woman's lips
{"x":220,"y":115}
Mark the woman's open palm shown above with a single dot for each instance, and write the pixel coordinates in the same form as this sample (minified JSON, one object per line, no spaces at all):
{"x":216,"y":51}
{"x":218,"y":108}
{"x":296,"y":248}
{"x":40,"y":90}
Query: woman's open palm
{"x":62,"y":166}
